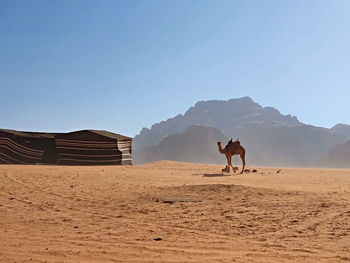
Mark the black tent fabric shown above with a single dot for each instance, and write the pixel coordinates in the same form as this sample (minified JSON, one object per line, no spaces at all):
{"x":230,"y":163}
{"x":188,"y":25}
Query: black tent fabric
{"x":86,"y":147}
{"x":18,"y":148}
{"x":93,"y":147}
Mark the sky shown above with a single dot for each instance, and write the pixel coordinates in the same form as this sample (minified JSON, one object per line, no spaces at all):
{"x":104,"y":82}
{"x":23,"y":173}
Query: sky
{"x":124,"y":65}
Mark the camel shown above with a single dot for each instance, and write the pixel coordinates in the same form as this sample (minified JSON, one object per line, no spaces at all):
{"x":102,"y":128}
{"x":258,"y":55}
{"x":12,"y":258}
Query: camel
{"x":231,"y":149}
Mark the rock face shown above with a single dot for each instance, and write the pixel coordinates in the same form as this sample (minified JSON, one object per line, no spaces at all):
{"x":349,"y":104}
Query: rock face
{"x":270,"y":138}
{"x":342,"y":129}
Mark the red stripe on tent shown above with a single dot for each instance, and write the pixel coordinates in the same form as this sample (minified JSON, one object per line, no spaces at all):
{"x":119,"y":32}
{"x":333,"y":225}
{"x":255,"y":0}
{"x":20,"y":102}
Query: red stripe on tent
{"x":78,"y":141}
{"x":89,"y":161}
{"x":5,"y":161}
{"x":9,"y":157}
{"x":9,"y":145}
{"x":18,"y":153}
{"x":90,"y":155}
{"x":87,"y":149}
{"x":19,"y":145}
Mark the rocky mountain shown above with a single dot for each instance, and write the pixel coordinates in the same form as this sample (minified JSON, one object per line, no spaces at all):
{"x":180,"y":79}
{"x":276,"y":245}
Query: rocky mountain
{"x":342,"y":129}
{"x":269,"y":137}
{"x":223,"y":115}
{"x":197,"y":144}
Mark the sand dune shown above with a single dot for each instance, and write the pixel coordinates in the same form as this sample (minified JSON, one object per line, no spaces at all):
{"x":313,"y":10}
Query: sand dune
{"x":115,"y":213}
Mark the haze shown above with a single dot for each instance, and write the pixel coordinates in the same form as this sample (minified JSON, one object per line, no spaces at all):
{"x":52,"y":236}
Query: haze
{"x":124,"y":65}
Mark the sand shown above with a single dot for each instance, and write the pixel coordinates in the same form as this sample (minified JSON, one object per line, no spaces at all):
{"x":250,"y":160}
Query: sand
{"x":116,"y":214}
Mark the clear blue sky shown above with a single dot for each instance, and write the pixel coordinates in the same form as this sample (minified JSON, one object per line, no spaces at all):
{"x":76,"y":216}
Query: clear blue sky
{"x":124,"y":65}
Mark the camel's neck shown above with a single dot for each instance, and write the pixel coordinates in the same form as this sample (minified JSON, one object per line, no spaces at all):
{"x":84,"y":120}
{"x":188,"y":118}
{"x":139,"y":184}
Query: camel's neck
{"x":220,"y":148}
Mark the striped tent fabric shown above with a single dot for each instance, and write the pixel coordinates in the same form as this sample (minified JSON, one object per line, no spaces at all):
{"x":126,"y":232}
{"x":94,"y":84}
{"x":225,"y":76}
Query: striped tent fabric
{"x":16,"y":148}
{"x":125,"y":147}
{"x":93,"y":147}
{"x":87,"y":152}
{"x":86,"y":147}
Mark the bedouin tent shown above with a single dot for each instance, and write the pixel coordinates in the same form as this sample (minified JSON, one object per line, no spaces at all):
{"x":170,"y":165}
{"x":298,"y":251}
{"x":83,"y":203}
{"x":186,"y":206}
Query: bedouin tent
{"x":19,"y":148}
{"x":87,"y":147}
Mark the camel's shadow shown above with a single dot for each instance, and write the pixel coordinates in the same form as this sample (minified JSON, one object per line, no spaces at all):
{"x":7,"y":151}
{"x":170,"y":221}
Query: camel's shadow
{"x":217,"y":175}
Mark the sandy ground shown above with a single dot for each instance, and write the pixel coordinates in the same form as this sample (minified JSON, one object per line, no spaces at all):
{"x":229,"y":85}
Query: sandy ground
{"x":114,"y":214}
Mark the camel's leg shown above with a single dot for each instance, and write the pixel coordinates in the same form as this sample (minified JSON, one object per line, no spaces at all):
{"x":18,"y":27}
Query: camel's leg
{"x":228,"y":162}
{"x":243,"y":160}
{"x":229,"y":159}
{"x":231,"y":165}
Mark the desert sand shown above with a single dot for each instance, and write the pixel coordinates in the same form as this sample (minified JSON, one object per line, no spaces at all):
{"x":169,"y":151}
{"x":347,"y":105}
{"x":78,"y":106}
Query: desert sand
{"x":116,"y":214}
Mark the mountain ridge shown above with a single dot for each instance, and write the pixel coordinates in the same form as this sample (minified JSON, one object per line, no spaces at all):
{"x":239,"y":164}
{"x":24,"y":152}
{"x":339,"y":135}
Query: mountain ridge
{"x":270,"y":137}
{"x":221,"y":114}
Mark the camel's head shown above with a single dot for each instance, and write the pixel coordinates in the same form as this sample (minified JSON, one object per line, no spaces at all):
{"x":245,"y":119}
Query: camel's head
{"x":219,"y":143}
